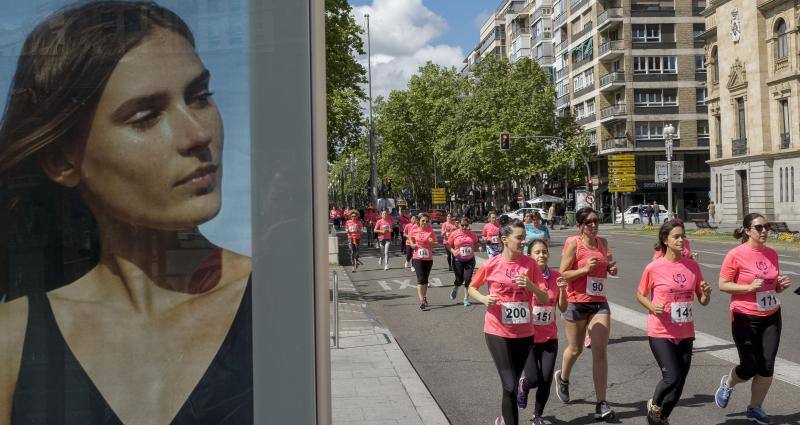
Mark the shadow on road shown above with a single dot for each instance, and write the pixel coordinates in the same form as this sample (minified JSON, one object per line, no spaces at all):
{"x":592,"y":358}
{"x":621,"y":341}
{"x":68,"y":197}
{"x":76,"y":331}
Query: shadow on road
{"x":624,"y":339}
{"x":640,"y":409}
{"x":350,"y":296}
{"x":714,"y":348}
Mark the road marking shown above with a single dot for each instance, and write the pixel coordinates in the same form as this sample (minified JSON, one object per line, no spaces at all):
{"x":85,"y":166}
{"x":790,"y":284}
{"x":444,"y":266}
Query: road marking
{"x":785,"y":370}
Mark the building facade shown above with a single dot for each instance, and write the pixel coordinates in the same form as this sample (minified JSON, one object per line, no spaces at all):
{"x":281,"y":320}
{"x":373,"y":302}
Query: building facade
{"x":625,"y":69}
{"x":753,"y":57}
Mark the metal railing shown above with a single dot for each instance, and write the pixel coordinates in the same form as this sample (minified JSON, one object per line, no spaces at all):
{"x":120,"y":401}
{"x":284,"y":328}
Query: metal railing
{"x":563,"y":100}
{"x":609,"y":46}
{"x":335,"y":310}
{"x":615,"y":143}
{"x":560,"y":20}
{"x":613,"y":110}
{"x":786,"y":142}
{"x":577,"y":4}
{"x":586,"y":28}
{"x":544,"y":35}
{"x":739,"y":147}
{"x":546,"y":11}
{"x":608,"y":14}
{"x":612,"y":77}
{"x":561,"y":73}
{"x":584,"y":61}
{"x":562,"y":46}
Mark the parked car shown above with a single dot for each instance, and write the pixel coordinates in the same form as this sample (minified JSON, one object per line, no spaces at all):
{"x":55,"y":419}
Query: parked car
{"x":632,"y":214}
{"x":520,"y":213}
{"x":437,"y":216}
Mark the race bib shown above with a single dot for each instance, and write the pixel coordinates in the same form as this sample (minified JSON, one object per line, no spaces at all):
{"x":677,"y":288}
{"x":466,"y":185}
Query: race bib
{"x":596,"y":286}
{"x":495,"y":239}
{"x":386,"y":228}
{"x":681,"y":312}
{"x":543,"y":315}
{"x":423,"y":253}
{"x":515,"y":313}
{"x":767,"y":300}
{"x":351,"y":229}
{"x":465,"y":251}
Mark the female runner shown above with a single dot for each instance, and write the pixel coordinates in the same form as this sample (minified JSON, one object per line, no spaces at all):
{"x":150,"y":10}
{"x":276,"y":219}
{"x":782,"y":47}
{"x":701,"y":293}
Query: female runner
{"x":490,"y":236}
{"x":423,"y":238}
{"x":407,"y":230}
{"x":508,"y":325}
{"x":383,"y":228}
{"x":353,"y":228}
{"x":462,"y":244}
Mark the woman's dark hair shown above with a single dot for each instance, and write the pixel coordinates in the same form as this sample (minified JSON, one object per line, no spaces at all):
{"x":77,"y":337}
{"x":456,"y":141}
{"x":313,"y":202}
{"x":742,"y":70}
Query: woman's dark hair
{"x":463,"y":220}
{"x":536,"y":214}
{"x":507,"y":225}
{"x":63,"y":69}
{"x":663,"y":233}
{"x":741,"y":233}
{"x":532,"y":243}
{"x":582,"y":214}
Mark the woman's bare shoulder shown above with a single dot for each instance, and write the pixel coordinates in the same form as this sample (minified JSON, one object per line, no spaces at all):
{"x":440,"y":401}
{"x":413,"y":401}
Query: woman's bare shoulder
{"x":14,"y":317}
{"x":236,"y":266}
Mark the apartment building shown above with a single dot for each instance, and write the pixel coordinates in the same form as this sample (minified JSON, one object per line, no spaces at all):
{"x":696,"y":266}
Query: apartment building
{"x":754,"y":82}
{"x":626,"y":69}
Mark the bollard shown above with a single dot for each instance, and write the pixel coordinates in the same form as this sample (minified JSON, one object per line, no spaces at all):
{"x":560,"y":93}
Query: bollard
{"x":335,"y":310}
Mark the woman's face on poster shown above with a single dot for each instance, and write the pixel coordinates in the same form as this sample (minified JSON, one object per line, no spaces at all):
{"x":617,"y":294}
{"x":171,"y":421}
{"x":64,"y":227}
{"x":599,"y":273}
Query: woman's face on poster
{"x":153,"y":153}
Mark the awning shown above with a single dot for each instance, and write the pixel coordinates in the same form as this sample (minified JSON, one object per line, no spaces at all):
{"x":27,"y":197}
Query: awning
{"x":546,"y":199}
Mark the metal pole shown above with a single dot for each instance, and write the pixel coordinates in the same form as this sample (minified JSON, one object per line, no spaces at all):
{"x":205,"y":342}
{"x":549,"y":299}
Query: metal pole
{"x":669,"y":176}
{"x":335,"y":310}
{"x":373,"y":168}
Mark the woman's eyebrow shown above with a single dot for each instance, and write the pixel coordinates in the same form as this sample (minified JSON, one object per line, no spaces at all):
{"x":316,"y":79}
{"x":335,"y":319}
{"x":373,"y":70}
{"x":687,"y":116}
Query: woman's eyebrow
{"x":131,"y":106}
{"x":199,"y":82}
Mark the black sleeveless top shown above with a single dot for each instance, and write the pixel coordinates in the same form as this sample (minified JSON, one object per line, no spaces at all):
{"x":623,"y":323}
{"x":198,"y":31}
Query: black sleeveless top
{"x":53,"y":389}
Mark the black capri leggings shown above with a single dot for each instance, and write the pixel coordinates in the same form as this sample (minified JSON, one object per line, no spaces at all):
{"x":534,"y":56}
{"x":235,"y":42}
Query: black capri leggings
{"x":538,"y":372}
{"x":510,"y":356}
{"x":423,"y":270}
{"x":757,"y":339}
{"x":409,"y":252}
{"x":463,"y":272}
{"x":674,"y":359}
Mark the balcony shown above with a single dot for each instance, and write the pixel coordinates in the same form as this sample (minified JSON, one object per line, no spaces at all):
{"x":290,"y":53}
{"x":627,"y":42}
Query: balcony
{"x":560,"y":20}
{"x":703,"y":140}
{"x":562,"y":101}
{"x":575,"y":5}
{"x":719,"y":151}
{"x":560,"y":47}
{"x":612,"y":81}
{"x":585,"y":30}
{"x":542,"y":36}
{"x":739,"y":147}
{"x":700,"y":75}
{"x":786,"y":142}
{"x":611,"y":50}
{"x":655,"y":77}
{"x":620,"y":142}
{"x":609,"y":19}
{"x":656,"y":11}
{"x":613,"y":112}
{"x":656,"y":143}
{"x":545,"y":60}
{"x":584,"y":90}
{"x":654,"y":45}
{"x":562,"y":73}
{"x":655,"y":110}
{"x":781,"y":64}
{"x":542,"y":11}
{"x":587,"y":119}
{"x":580,"y":63}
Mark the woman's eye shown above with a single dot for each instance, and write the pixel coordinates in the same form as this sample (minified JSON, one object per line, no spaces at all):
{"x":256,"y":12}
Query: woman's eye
{"x":144,"y":119}
{"x":203,"y":98}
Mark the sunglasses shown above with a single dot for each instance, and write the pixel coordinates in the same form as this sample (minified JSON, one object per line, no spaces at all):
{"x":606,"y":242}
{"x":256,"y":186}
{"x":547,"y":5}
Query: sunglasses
{"x":761,"y":227}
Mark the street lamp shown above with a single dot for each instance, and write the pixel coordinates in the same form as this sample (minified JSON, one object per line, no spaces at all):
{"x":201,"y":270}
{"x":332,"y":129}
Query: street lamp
{"x":669,"y":132}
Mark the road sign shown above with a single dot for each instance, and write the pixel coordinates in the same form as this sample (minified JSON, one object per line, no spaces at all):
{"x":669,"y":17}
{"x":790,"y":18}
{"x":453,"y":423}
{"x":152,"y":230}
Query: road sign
{"x":622,"y":173}
{"x":590,"y":199}
{"x":438,"y":195}
{"x":661,"y":172}
{"x":520,"y":198}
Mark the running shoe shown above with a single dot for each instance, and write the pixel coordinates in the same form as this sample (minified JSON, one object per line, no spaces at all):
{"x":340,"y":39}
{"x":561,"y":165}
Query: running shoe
{"x":587,"y":341}
{"x":354,"y":270}
{"x":386,"y":267}
{"x":499,"y":421}
{"x":562,"y":388}
{"x":653,"y":414}
{"x":603,"y":411}
{"x":522,"y":394}
{"x":723,"y":393}
{"x":466,"y":302}
{"x":380,"y":261}
{"x":758,"y":415}
{"x":423,"y":304}
{"x":406,"y":265}
{"x":453,"y":293}
{"x":537,"y":420}
{"x":449,"y":268}
{"x":412,"y":269}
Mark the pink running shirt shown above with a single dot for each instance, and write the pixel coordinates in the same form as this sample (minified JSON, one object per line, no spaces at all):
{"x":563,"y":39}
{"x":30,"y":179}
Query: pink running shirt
{"x":353,"y":228}
{"x":742,"y":265}
{"x":590,"y":288}
{"x":424,"y":248}
{"x":408,"y":229}
{"x":544,"y":315}
{"x":511,"y":316}
{"x":463,"y":243}
{"x":674,"y":284}
{"x":491,"y":231}
{"x":384,"y":229}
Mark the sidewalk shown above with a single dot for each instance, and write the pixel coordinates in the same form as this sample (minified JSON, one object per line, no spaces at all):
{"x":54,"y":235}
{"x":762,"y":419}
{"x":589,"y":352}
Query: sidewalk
{"x":372,"y":380}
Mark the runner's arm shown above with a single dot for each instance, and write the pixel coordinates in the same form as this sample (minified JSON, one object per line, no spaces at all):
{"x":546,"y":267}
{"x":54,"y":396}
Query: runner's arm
{"x":14,"y":317}
{"x":567,"y":260}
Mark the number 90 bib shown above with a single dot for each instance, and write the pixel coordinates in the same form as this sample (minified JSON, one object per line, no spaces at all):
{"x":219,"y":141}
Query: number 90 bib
{"x":596,"y":286}
{"x":515,"y":313}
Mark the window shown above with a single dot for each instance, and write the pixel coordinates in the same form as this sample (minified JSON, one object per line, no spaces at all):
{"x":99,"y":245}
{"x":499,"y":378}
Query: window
{"x":657,"y":97}
{"x":700,"y":96}
{"x":655,"y":64}
{"x":698,"y":29}
{"x":784,"y":104}
{"x":650,"y":130}
{"x":792,"y":184}
{"x":702,"y":129}
{"x":715,"y":63}
{"x":741,"y":117}
{"x":780,"y":184}
{"x":590,"y":107}
{"x":646,"y":33}
{"x":782,"y":46}
{"x":699,"y":63}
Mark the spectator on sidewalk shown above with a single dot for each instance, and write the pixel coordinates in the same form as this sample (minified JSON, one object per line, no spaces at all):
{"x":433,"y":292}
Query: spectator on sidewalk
{"x":711,"y":211}
{"x":656,"y":212}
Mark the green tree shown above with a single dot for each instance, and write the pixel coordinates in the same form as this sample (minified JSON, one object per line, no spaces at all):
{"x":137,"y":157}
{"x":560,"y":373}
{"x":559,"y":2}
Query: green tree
{"x":344,"y":77}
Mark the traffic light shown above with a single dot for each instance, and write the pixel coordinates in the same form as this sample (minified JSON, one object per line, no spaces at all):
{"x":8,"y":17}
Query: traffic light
{"x":589,"y":182}
{"x":505,"y":141}
{"x":389,"y":184}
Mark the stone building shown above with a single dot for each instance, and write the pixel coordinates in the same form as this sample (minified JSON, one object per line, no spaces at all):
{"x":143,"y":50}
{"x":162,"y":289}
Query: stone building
{"x":753,"y":56}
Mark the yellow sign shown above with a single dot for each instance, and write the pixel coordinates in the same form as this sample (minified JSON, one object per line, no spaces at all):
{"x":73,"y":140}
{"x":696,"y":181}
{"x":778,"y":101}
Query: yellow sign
{"x":615,"y":164}
{"x":617,"y":189}
{"x":437,"y":191}
{"x":438,"y":195}
{"x":622,"y":157}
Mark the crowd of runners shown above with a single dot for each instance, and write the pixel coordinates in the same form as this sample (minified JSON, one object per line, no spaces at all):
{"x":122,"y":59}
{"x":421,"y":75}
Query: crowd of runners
{"x":523,"y":293}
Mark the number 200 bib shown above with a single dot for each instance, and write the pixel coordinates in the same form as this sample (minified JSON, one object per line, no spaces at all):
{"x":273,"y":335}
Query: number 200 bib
{"x":515,"y":313}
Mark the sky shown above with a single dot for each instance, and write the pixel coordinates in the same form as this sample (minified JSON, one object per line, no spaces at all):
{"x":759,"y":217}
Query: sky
{"x":407,"y":33}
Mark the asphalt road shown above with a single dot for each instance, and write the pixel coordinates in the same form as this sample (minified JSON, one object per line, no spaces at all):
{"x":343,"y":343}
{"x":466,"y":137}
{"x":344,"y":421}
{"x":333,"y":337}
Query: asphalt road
{"x":447,"y":348}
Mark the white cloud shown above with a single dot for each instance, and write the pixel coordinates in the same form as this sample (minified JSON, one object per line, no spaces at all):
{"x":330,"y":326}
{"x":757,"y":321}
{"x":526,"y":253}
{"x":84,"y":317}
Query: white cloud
{"x":481,"y":18}
{"x":403,"y":34}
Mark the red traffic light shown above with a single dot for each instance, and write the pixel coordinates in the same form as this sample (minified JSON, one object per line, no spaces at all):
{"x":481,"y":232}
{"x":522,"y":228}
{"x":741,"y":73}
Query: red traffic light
{"x":505,"y":141}
{"x":589,"y":182}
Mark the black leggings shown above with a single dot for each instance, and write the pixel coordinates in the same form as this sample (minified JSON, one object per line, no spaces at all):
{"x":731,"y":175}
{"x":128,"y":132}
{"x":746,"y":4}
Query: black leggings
{"x":510,"y":356}
{"x":463,"y":272}
{"x":403,"y":247}
{"x":674,"y":359}
{"x":409,"y":252}
{"x":538,"y":372}
{"x":757,"y":339}
{"x":423,"y":270}
{"x":449,"y":257}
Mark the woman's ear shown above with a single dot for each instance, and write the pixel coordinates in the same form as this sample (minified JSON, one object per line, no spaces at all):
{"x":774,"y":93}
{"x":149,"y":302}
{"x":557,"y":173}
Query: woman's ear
{"x":60,"y":165}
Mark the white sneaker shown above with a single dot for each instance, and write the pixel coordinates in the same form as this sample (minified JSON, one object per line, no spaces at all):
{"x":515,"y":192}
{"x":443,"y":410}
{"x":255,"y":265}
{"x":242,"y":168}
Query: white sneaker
{"x":386,"y":267}
{"x":380,"y":261}
{"x":406,"y":266}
